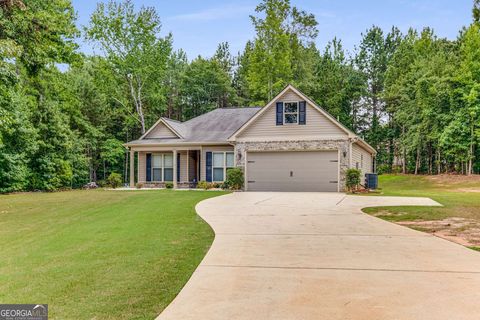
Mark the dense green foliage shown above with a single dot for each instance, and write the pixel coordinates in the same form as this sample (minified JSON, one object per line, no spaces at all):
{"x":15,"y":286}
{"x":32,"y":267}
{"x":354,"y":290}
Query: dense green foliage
{"x":352,"y":180}
{"x":101,"y":254}
{"x":114,"y":180}
{"x":414,"y":97}
{"x":234,"y":179}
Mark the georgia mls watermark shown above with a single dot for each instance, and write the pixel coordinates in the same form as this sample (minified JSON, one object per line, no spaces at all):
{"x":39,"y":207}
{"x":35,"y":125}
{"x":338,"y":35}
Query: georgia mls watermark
{"x":23,"y":311}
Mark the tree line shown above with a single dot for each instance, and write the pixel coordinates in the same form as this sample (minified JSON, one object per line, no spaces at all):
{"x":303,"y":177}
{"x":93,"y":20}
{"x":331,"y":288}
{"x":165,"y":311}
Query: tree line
{"x":415,"y":97}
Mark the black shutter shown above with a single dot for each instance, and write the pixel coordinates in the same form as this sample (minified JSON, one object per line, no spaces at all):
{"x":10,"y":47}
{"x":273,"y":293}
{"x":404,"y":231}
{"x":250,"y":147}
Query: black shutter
{"x":149,"y":167}
{"x":208,"y":167}
{"x":178,"y":167}
{"x":302,"y":112}
{"x":279,"y":113}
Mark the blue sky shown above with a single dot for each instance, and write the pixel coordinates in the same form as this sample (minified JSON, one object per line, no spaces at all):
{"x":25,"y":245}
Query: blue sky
{"x":198,"y":26}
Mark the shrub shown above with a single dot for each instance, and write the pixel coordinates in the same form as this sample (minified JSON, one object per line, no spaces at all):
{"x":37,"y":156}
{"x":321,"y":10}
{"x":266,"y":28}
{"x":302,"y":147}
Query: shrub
{"x":114,"y":180}
{"x":139,"y":185}
{"x":102,"y":183}
{"x":202,"y":185}
{"x":169,"y":185}
{"x":234,"y":179}
{"x":384,"y":168}
{"x":353,"y":179}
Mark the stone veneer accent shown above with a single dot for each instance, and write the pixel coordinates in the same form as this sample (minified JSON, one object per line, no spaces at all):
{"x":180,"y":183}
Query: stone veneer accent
{"x":343,"y":145}
{"x":180,"y":185}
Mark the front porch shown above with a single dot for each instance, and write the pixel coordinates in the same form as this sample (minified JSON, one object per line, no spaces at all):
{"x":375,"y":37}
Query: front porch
{"x":182,"y":167}
{"x":157,"y":168}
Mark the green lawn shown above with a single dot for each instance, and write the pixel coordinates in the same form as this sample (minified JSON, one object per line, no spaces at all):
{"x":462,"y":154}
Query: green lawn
{"x":100,"y":254}
{"x":460,"y":196}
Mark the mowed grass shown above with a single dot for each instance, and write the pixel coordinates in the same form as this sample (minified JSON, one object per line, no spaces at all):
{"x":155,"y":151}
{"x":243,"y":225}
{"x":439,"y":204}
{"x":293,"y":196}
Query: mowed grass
{"x":459,"y":195}
{"x":100,"y":254}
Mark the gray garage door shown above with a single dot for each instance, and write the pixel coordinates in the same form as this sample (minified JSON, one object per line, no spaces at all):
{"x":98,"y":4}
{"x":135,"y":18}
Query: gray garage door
{"x":292,"y":171}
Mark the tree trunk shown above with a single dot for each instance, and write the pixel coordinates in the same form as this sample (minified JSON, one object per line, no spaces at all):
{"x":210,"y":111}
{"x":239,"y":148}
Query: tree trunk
{"x":125,"y":165}
{"x":430,"y":159}
{"x":140,"y":106}
{"x":404,"y":162}
{"x":439,"y":164}
{"x":417,"y":161}
{"x":470,"y":157}
{"x":137,"y":100}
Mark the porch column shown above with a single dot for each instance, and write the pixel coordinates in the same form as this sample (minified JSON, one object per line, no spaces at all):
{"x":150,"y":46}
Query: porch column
{"x":188,"y":166}
{"x":132,"y":168}
{"x":175,"y":169}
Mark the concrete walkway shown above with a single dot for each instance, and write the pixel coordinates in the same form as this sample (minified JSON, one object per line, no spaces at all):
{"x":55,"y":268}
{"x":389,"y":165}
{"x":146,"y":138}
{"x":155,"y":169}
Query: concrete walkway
{"x":316,"y":256}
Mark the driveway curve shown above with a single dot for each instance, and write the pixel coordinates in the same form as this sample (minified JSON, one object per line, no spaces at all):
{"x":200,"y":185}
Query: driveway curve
{"x":317,"y":256}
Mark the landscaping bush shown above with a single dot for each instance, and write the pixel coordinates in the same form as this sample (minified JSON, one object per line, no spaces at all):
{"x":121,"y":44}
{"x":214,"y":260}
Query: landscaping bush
{"x":202,"y":185}
{"x":234,"y":179}
{"x":169,"y":185}
{"x":114,"y":180}
{"x":353,"y":179}
{"x":102,"y":183}
{"x":139,"y":185}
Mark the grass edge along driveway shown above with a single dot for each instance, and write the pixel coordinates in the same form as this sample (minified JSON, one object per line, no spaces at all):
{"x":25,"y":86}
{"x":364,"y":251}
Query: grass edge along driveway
{"x":459,"y":195}
{"x":100,"y":254}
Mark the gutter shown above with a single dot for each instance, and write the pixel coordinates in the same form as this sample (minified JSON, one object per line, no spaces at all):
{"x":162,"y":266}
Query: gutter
{"x":127,"y":145}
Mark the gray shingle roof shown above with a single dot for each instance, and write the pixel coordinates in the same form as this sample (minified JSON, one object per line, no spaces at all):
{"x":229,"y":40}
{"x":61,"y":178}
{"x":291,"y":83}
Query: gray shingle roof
{"x":215,"y":126}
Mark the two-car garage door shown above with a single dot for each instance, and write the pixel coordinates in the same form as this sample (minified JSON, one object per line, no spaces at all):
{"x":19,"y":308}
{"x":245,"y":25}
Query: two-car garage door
{"x":292,"y":171}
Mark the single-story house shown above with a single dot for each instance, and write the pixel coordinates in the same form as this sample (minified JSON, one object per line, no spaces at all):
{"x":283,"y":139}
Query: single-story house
{"x":291,"y":144}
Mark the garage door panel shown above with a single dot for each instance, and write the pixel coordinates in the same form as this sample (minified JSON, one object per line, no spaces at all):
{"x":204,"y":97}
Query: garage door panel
{"x":292,"y":171}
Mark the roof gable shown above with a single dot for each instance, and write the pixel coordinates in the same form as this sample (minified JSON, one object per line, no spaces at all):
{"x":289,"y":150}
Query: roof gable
{"x":162,"y":129}
{"x":325,"y":123}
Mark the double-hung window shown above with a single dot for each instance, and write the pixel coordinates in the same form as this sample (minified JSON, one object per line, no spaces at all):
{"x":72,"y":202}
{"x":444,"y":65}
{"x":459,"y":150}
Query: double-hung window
{"x":162,"y":167}
{"x":157,"y":160}
{"x":168,"y":167}
{"x":221,"y":162}
{"x":290,"y":112}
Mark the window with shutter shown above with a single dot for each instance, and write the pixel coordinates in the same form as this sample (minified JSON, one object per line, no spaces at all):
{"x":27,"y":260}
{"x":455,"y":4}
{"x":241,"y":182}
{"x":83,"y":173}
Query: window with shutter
{"x":149,"y":167}
{"x":168,"y":167}
{"x":290,"y":112}
{"x":208,"y":166}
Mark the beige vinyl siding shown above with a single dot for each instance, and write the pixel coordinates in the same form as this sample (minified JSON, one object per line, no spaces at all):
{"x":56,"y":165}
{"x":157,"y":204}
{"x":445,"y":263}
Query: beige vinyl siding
{"x":161,"y":131}
{"x":317,"y":125}
{"x":363,"y":158}
{"x":142,"y":167}
{"x":206,"y":149}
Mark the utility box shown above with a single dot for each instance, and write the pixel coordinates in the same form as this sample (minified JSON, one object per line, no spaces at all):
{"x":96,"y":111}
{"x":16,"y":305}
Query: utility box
{"x":371,"y":180}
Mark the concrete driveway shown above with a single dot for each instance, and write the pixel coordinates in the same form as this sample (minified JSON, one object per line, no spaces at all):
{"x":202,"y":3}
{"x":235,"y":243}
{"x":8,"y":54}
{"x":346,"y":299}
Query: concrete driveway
{"x":316,"y":256}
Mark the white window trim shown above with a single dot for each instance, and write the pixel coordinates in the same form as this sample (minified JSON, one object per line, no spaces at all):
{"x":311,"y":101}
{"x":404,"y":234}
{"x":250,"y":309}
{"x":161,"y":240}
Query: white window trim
{"x":225,"y":168}
{"x":297,"y":113}
{"x":162,"y":167}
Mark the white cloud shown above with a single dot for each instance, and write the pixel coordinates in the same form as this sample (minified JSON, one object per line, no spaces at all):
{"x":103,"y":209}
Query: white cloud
{"x":211,"y":14}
